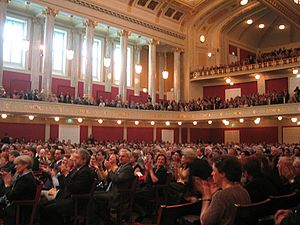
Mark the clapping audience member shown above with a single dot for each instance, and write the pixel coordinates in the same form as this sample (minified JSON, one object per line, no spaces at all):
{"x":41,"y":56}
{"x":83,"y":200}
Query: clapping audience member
{"x":20,"y":187}
{"x":154,"y":174}
{"x":78,"y":181}
{"x":218,"y":206}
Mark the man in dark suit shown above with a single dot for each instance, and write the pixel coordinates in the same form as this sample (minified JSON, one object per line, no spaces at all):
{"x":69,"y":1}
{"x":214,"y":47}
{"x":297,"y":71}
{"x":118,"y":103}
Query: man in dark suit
{"x":122,"y":178}
{"x":79,"y":181}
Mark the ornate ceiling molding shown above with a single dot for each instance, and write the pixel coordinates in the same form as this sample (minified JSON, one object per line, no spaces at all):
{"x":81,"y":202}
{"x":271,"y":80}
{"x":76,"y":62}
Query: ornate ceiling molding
{"x":127,"y":18}
{"x":285,"y":10}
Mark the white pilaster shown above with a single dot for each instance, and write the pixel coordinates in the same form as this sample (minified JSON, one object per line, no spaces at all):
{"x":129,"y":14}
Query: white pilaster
{"x":90,"y":130}
{"x":90,"y":25}
{"x":180,"y":135}
{"x":47,"y":132}
{"x":125,"y":133}
{"x":123,"y":69}
{"x":137,"y":77}
{"x":3,"y":8}
{"x":152,"y":70}
{"x":36,"y":53}
{"x":188,"y":135}
{"x":154,"y":134}
{"x":177,"y":76}
{"x":161,"y":81}
{"x":108,"y":70}
{"x":261,"y":85}
{"x":76,"y":44}
{"x":47,"y":52}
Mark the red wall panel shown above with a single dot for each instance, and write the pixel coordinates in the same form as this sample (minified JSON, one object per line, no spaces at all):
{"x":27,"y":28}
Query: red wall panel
{"x":97,"y":90}
{"x":83,"y":133}
{"x":8,"y":76}
{"x":140,"y":134}
{"x":54,"y":131}
{"x":259,"y":135}
{"x":244,"y":54}
{"x":280,"y":84}
{"x":247,"y":88}
{"x":215,"y":135}
{"x":23,"y":130}
{"x":107,"y":133}
{"x":184,"y":135}
{"x":232,"y":49}
{"x":114,"y":92}
{"x":80,"y":89}
{"x":56,"y":82}
{"x":159,"y":134}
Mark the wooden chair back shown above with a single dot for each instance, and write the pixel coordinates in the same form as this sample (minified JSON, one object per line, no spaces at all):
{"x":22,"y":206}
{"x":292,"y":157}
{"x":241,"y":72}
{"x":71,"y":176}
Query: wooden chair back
{"x":250,"y":214}
{"x":168,"y":215}
{"x":22,"y":219}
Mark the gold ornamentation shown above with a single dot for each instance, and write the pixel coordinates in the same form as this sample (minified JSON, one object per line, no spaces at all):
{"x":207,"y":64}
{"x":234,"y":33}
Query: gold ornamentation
{"x":50,"y":12}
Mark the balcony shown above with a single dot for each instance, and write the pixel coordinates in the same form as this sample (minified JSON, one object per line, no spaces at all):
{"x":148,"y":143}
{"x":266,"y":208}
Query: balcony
{"x":49,"y":109}
{"x":279,"y":64}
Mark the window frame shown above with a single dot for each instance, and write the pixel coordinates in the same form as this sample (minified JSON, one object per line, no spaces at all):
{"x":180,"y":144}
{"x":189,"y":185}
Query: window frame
{"x":62,"y":72}
{"x":24,"y":59}
{"x":130,"y":62}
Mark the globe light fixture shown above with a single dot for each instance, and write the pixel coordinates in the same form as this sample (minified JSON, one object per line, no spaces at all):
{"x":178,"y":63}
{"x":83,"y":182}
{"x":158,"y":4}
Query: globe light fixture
{"x":3,"y":116}
{"x":295,"y":71}
{"x":56,"y":119}
{"x":79,"y":120}
{"x":152,"y":123}
{"x":243,"y":2}
{"x":119,"y":122}
{"x":279,"y":118}
{"x":168,"y":123}
{"x":294,"y":119}
{"x":195,"y":123}
{"x":31,"y":117}
{"x":249,"y":22}
{"x":257,"y":76}
{"x":242,"y":120}
{"x":100,"y":121}
{"x":209,"y":122}
{"x":138,"y":68}
{"x":179,"y":123}
{"x":136,"y":122}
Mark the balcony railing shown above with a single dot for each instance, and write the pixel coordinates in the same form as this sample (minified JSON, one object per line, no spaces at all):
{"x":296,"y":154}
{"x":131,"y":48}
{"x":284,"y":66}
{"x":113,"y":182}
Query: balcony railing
{"x":48,"y":109}
{"x":245,"y":69}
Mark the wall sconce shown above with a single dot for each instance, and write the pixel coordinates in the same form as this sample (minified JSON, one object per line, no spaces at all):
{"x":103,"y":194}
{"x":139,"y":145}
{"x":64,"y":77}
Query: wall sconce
{"x":165,"y":73}
{"x":138,"y":68}
{"x":106,"y":62}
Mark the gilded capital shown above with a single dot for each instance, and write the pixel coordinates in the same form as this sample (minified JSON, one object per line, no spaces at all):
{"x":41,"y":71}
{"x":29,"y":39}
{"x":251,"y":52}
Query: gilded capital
{"x":90,"y":23}
{"x":50,"y":12}
{"x":153,"y":42}
{"x":124,"y":33}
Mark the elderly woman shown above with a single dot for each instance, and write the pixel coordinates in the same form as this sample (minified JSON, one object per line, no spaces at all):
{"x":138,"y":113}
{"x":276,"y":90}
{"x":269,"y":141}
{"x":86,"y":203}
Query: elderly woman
{"x":20,"y":187}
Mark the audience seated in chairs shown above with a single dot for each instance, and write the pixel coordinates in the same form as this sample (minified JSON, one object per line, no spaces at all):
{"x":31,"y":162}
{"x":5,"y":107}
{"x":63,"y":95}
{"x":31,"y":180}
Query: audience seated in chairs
{"x":122,"y":178}
{"x":154,"y":175}
{"x":22,"y":186}
{"x":78,"y":181}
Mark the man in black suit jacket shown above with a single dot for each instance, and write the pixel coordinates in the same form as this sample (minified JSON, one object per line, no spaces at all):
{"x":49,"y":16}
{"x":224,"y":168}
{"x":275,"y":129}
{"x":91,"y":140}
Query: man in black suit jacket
{"x":78,"y":181}
{"x":122,"y":178}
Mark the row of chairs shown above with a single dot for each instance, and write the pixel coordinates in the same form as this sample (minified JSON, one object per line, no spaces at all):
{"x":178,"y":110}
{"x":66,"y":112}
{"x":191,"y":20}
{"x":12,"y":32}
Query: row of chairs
{"x":260,"y":213}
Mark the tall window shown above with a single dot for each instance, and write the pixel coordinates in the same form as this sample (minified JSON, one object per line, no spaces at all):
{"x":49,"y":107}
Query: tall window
{"x":117,"y":65}
{"x":96,"y":59}
{"x":15,"y":44}
{"x":59,"y":51}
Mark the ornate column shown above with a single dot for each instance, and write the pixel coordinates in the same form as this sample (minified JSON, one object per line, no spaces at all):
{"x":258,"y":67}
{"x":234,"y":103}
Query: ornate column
{"x":152,"y":69}
{"x":90,"y":25}
{"x":76,"y":44}
{"x":161,"y":81}
{"x":36,"y":53}
{"x":177,"y":75}
{"x":47,"y":51}
{"x":108,"y":70}
{"x":3,"y":7}
{"x":137,"y":77}
{"x":123,"y":69}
